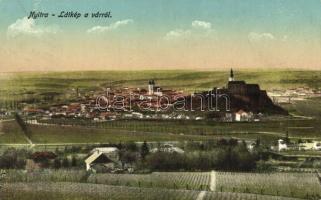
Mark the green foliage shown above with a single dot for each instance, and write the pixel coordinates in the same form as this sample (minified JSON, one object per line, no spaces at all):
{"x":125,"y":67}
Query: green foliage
{"x":65,"y":162}
{"x":57,"y":163}
{"x":13,"y":158}
{"x":144,"y":150}
{"x":230,"y":157}
{"x":74,"y":161}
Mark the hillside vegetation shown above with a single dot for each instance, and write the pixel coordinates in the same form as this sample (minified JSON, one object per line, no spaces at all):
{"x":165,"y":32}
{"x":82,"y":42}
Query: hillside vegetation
{"x":26,"y":86}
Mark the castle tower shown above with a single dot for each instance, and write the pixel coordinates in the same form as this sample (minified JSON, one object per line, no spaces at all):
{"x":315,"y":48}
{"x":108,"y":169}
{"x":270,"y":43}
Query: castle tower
{"x":151,"y":85}
{"x":231,"y":78}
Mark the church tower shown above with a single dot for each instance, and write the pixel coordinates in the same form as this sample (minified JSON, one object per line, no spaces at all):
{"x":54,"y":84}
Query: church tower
{"x":231,"y":78}
{"x":151,"y":85}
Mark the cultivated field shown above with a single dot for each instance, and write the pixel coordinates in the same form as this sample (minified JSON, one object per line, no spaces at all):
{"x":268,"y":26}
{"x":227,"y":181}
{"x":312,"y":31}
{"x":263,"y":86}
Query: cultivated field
{"x":296,"y":185}
{"x":174,"y":180}
{"x":124,"y":131}
{"x":300,"y":185}
{"x":84,"y":191}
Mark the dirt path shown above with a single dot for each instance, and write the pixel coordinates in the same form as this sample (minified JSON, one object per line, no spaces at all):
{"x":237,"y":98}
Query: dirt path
{"x":213,"y":181}
{"x":201,"y":195}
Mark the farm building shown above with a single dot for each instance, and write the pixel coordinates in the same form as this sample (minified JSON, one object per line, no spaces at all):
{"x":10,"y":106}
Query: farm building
{"x":315,"y":145}
{"x":168,"y":148}
{"x":282,"y":145}
{"x":103,"y":159}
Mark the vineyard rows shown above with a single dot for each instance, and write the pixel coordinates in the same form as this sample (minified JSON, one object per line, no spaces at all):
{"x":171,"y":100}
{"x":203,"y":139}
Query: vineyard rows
{"x":298,"y":185}
{"x":174,"y":180}
{"x":86,"y":191}
{"x":302,"y":185}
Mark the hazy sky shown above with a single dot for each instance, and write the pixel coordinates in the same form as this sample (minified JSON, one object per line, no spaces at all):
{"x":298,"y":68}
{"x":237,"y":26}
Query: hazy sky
{"x":161,"y":34}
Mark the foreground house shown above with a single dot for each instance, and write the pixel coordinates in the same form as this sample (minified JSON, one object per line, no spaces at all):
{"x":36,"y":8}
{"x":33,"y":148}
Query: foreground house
{"x":103,"y":159}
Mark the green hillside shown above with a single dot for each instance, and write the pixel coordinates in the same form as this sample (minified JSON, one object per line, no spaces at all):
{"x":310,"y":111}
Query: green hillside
{"x":38,"y":85}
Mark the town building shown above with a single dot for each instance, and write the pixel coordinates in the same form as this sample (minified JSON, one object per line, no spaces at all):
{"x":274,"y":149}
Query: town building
{"x":315,"y":145}
{"x":282,"y":146}
{"x":242,"y":116}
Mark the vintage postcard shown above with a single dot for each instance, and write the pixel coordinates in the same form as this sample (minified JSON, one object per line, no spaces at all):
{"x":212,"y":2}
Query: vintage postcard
{"x":160,"y":99}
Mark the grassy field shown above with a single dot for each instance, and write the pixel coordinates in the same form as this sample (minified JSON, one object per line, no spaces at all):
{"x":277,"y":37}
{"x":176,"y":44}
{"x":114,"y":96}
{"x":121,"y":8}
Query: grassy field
{"x":309,"y":107}
{"x":178,"y":130}
{"x":62,"y":85}
{"x":124,"y":131}
{"x":11,"y":133}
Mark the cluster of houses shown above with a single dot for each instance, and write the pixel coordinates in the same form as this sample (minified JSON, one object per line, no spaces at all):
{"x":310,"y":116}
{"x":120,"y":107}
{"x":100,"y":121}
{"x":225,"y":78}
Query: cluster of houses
{"x":104,"y":105}
{"x":304,"y":146}
{"x":85,"y":107}
{"x":293,"y":94}
{"x":242,"y":116}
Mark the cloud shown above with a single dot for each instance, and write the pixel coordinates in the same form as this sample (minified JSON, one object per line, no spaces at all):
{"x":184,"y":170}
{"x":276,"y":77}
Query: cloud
{"x":36,"y":4}
{"x":178,"y":33}
{"x":257,"y":37}
{"x":201,"y":24}
{"x":284,"y":38}
{"x":27,"y":26}
{"x":113,"y":26}
{"x":198,"y":29}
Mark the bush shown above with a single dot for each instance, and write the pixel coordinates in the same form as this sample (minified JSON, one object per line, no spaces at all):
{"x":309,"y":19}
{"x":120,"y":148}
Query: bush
{"x":65,"y":162}
{"x":236,"y":158}
{"x":14,"y":159}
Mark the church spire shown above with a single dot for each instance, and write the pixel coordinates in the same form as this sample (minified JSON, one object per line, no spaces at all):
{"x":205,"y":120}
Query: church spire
{"x":231,"y":78}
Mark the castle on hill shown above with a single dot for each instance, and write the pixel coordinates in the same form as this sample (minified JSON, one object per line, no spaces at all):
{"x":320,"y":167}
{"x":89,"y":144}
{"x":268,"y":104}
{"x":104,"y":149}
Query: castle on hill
{"x":242,"y":96}
{"x":250,"y":97}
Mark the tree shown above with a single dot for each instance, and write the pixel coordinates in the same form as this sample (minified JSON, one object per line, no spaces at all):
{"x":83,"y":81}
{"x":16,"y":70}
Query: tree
{"x":257,"y":143}
{"x":22,"y":124}
{"x":286,"y":138}
{"x":232,"y":142}
{"x":65,"y":162}
{"x":127,"y":157}
{"x":57,"y":163}
{"x":131,"y":146}
{"x":73,"y":161}
{"x":144,"y":150}
{"x":13,"y":158}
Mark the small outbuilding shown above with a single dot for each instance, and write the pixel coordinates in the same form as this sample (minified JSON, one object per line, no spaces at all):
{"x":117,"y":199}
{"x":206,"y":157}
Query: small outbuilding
{"x":242,"y":116}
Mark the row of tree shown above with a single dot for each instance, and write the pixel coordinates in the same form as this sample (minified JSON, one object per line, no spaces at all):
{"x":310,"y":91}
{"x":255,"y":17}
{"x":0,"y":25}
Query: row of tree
{"x":235,"y":158}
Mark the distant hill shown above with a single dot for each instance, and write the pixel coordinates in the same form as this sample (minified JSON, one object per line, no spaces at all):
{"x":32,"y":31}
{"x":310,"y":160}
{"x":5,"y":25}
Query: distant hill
{"x":34,"y":86}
